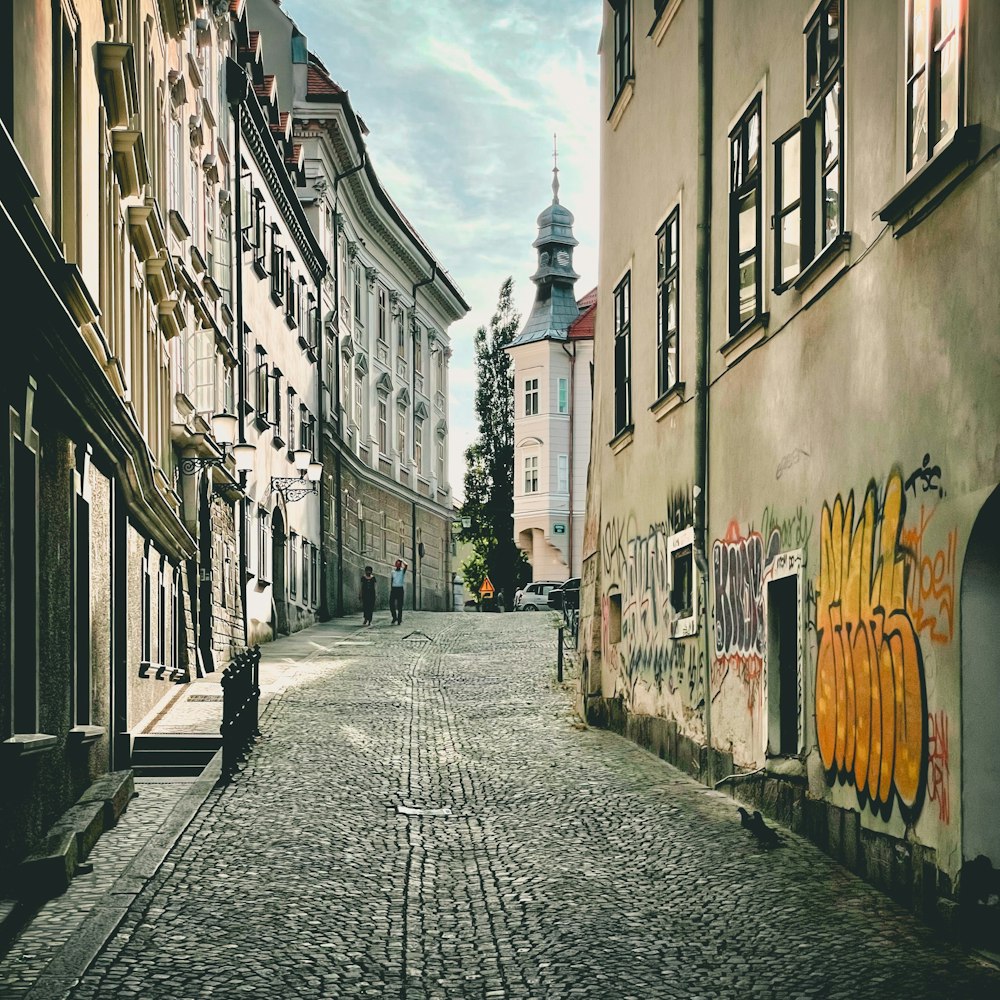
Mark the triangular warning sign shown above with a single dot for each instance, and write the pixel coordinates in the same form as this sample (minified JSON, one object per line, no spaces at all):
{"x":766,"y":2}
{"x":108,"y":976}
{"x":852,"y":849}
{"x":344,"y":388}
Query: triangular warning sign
{"x":486,"y":590}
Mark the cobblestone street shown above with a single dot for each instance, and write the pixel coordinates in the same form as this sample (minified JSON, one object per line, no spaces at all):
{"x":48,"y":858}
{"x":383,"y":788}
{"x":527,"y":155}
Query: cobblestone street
{"x":429,"y":819}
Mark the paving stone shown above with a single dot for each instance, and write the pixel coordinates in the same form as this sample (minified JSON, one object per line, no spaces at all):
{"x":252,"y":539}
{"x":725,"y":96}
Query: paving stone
{"x":570,"y":862}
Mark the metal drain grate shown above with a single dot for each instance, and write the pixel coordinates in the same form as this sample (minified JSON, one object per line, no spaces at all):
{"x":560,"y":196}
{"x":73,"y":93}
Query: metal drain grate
{"x":204,"y":697}
{"x":417,"y":637}
{"x":422,"y":811}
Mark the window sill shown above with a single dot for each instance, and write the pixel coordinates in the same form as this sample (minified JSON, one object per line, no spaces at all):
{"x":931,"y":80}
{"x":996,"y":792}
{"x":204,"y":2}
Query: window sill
{"x":683,"y":627}
{"x":622,"y":100}
{"x":929,"y":181}
{"x":86,"y":735}
{"x":261,"y":422}
{"x":622,"y":439}
{"x":670,"y":400}
{"x":662,"y":21}
{"x":746,"y":340}
{"x":27,"y":744}
{"x":835,"y":252}
{"x":277,"y":442}
{"x":276,"y":298}
{"x":259,"y":269}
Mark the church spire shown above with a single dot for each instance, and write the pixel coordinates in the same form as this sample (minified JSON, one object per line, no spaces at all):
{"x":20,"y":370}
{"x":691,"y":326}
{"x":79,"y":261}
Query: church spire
{"x":555,"y":170}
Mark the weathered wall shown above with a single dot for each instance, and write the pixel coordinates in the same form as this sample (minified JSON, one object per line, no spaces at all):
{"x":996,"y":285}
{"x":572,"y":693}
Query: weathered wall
{"x":851,"y":447}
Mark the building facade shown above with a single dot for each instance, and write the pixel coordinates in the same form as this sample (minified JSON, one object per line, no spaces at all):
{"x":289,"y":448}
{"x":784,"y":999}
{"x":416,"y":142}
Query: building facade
{"x":791,"y":561}
{"x":386,"y":305}
{"x":552,"y":358}
{"x":165,"y":498}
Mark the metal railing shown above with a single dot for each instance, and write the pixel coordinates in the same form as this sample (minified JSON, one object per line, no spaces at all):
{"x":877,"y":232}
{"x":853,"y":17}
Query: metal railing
{"x":240,"y":710}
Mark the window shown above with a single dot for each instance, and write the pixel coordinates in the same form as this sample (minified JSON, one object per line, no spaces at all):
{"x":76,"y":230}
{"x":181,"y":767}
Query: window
{"x":291,"y":405}
{"x":531,"y":474}
{"x":934,"y":85}
{"x":306,"y":548}
{"x":530,"y":396}
{"x":400,"y":335}
{"x":623,"y":43}
{"x":382,"y":317}
{"x":401,"y":432}
{"x":263,"y":543}
{"x":563,"y":395}
{"x":277,"y":266}
{"x":623,"y":354}
{"x":745,"y":300}
{"x":359,"y":410}
{"x":263,"y":386}
{"x":66,"y":139}
{"x":667,"y":305}
{"x":808,"y":179}
{"x":314,"y":574}
{"x":275,"y":414}
{"x":418,"y":446}
{"x":562,"y":474}
{"x":441,"y":463}
{"x":418,"y":352}
{"x":357,"y":295}
{"x":383,"y":425}
{"x":260,"y":227}
{"x":293,"y":563}
{"x":681,"y":582}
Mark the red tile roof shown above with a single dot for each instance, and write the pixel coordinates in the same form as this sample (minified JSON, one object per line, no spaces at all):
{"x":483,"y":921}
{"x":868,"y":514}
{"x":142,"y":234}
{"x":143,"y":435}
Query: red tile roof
{"x":319,"y":84}
{"x":582,"y":328}
{"x":266,"y":91}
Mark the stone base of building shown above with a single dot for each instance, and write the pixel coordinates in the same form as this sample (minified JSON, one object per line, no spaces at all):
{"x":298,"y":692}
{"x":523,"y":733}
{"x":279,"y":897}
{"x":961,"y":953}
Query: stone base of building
{"x":905,"y":871}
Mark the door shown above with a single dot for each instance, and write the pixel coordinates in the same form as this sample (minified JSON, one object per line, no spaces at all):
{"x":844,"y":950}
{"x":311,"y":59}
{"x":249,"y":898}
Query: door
{"x":278,"y":600}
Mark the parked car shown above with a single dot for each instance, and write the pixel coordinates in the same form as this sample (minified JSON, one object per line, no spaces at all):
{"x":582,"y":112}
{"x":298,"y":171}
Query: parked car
{"x":534,"y":595}
{"x":567,"y":596}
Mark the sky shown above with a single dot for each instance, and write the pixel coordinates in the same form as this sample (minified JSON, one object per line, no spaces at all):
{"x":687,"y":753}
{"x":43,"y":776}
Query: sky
{"x":462,"y":98}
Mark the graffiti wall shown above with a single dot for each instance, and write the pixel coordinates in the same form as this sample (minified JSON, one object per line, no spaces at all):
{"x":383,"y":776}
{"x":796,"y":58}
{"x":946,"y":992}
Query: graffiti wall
{"x":885,"y":597}
{"x":641,"y":645}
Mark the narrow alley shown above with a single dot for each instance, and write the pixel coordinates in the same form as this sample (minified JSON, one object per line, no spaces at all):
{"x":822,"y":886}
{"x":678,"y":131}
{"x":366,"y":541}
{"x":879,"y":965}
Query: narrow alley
{"x":424,"y":816}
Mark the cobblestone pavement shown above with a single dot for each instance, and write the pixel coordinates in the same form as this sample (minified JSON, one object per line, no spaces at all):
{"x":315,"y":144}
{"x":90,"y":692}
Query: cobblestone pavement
{"x":427,"y":819}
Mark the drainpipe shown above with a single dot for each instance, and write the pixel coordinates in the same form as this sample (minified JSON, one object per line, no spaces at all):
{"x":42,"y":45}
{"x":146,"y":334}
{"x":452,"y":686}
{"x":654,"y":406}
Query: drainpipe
{"x":572,"y":408}
{"x":321,"y":487}
{"x":237,"y":89}
{"x":338,"y":494}
{"x":413,"y":407}
{"x":703,"y":342}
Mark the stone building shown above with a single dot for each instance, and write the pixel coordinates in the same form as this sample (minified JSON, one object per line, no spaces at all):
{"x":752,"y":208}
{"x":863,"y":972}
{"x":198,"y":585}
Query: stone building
{"x":98,"y":547}
{"x":387,"y":304}
{"x":552,"y":360}
{"x":281,"y":267}
{"x":791,"y":560}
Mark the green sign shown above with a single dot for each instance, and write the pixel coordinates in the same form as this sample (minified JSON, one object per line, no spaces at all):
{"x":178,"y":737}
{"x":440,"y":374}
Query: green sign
{"x":559,"y":528}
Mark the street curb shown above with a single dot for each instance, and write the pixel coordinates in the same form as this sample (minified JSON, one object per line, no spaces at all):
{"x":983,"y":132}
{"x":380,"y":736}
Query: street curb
{"x":72,"y":960}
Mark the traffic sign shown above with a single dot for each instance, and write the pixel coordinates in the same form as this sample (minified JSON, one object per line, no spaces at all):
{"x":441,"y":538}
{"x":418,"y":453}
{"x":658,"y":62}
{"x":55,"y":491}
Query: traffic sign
{"x":486,"y":590}
{"x":559,"y":528}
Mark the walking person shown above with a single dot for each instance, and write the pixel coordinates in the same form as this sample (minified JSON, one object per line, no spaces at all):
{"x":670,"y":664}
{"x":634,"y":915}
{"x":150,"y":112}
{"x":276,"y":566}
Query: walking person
{"x":368,"y":595}
{"x":396,"y":592}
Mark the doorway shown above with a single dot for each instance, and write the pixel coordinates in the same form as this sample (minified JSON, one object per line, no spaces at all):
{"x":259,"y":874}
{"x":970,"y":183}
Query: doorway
{"x":979,"y":615}
{"x":783,"y":666}
{"x":278,"y":601}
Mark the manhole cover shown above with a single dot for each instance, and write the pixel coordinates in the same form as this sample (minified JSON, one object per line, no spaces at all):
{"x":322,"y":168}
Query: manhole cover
{"x":204,"y":697}
{"x":422,"y":811}
{"x":416,"y":637}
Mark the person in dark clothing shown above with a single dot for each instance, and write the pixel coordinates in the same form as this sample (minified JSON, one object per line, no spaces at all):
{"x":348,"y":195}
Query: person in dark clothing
{"x":368,"y":595}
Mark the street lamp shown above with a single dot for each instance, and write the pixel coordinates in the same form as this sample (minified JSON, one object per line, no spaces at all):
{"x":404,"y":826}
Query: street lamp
{"x":294,"y":488}
{"x":224,"y":426}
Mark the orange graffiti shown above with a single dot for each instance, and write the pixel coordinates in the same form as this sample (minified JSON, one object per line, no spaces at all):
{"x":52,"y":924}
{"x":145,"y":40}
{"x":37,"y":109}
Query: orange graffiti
{"x":931,"y":589}
{"x":871,"y":711}
{"x":937,"y":763}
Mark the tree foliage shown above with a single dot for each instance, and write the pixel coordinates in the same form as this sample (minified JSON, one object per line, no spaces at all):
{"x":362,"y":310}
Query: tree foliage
{"x":489,"y":476}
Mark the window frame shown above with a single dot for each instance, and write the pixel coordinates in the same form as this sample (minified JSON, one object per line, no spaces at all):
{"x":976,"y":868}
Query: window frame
{"x":622,"y":312}
{"x":931,"y":72}
{"x":668,"y":274}
{"x":531,"y":397}
{"x":562,"y":394}
{"x":622,"y":64}
{"x":743,"y":182}
{"x":530,"y":466}
{"x":562,"y":473}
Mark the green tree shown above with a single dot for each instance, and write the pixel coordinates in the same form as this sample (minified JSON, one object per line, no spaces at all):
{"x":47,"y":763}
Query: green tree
{"x":489,"y":476}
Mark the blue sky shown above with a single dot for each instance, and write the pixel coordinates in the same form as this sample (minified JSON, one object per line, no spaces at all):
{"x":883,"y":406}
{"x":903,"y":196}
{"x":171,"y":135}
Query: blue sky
{"x":462,"y":98}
